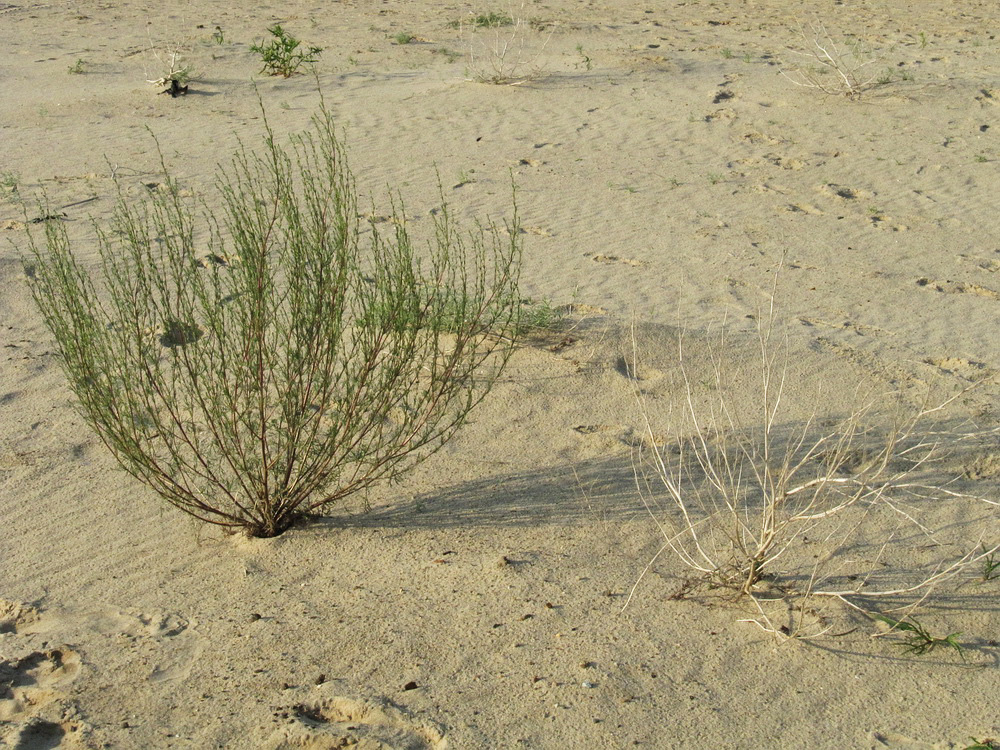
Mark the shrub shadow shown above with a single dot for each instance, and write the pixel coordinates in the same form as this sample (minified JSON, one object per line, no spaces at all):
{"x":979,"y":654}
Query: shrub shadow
{"x":600,"y":489}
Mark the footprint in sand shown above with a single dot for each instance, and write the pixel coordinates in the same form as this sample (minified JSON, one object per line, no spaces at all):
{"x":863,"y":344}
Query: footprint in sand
{"x":598,"y":258}
{"x":893,"y":741}
{"x":29,"y":682}
{"x":785,"y":162}
{"x":990,"y":265}
{"x":989,"y":97}
{"x":844,"y":193}
{"x":15,"y":617}
{"x":958,"y":287}
{"x":721,"y":114}
{"x":983,"y":466}
{"x":804,"y":208}
{"x":723,"y":95}
{"x":637,"y":371}
{"x":964,"y":368}
{"x":365,"y":724}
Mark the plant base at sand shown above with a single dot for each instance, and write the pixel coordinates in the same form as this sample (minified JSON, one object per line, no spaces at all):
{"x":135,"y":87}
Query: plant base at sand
{"x":261,"y":361}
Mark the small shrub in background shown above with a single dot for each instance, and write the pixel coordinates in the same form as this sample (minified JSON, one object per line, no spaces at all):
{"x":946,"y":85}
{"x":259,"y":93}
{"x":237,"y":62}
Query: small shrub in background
{"x":260,"y":362}
{"x":842,"y":68}
{"x":282,"y":56}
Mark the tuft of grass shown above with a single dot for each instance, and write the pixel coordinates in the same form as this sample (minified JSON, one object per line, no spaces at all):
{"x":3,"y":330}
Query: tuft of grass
{"x":985,"y":744}
{"x":991,"y":565}
{"x":449,"y":55}
{"x":917,"y":639}
{"x":78,"y":67}
{"x":9,"y":184}
{"x":403,"y":38}
{"x":9,"y":181}
{"x":539,"y":316}
{"x":492,"y":20}
{"x":282,"y":56}
{"x":726,"y":53}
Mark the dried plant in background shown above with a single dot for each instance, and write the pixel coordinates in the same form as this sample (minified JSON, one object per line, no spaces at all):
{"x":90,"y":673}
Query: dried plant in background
{"x":781,"y":512}
{"x":260,"y":361}
{"x":505,"y":49}
{"x":843,"y":69}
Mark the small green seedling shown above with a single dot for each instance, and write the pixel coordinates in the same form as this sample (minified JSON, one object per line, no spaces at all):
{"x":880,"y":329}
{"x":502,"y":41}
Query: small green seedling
{"x":218,"y":37}
{"x":8,"y":185}
{"x":449,"y":55}
{"x":987,"y":744}
{"x":727,"y":53}
{"x":991,"y":566}
{"x":78,"y":67}
{"x":917,"y":640}
{"x":282,"y":56}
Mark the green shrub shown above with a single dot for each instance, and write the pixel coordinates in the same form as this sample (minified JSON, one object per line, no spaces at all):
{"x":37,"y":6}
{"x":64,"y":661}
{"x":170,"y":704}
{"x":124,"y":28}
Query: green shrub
{"x":281,"y":56}
{"x":260,"y":362}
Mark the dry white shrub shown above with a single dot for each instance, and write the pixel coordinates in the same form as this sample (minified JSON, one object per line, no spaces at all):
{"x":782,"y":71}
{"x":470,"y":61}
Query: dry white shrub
{"x":505,"y":49}
{"x":843,"y":69}
{"x":794,"y":516}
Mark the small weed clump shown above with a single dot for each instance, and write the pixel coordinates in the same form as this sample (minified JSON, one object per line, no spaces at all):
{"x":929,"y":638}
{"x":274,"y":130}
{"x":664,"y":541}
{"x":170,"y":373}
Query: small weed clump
{"x":991,"y":565}
{"x":489,"y":20}
{"x":917,"y":639}
{"x":403,"y":38}
{"x":9,"y":182}
{"x":78,"y":67}
{"x":541,"y":315}
{"x":282,"y":56}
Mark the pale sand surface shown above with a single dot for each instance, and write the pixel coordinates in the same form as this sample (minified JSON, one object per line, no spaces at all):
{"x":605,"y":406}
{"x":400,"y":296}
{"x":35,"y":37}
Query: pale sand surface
{"x":663,"y":182}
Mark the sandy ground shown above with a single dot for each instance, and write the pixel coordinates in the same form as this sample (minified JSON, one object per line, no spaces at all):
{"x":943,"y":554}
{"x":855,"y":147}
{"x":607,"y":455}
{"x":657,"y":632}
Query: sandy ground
{"x":665,"y":170}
